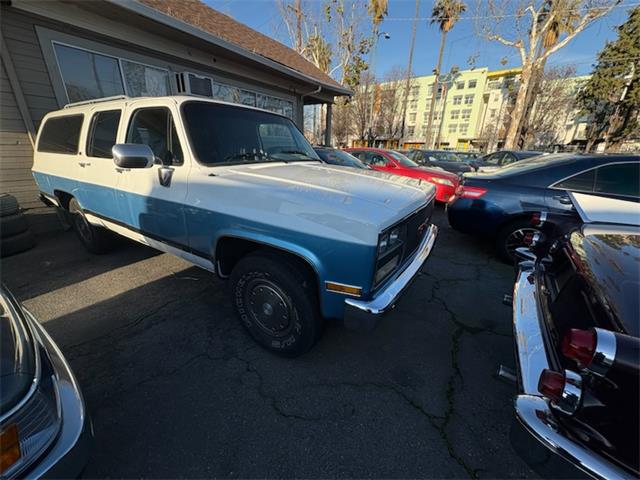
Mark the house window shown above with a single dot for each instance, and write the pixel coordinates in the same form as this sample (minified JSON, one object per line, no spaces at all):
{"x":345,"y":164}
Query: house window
{"x":413,"y":105}
{"x":473,"y":83}
{"x":459,"y":85}
{"x":88,"y":75}
{"x":415,"y":91}
{"x":494,"y":85}
{"x":492,"y":113}
{"x":464,"y":128}
{"x":468,"y":99}
{"x":457,"y":100}
{"x":410,"y":130}
{"x":466,"y":114}
{"x":412,"y":117}
{"x":455,"y":114}
{"x":453,"y":127}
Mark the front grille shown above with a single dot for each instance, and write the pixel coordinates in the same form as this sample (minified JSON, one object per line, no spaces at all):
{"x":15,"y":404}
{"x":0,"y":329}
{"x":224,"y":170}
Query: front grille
{"x":416,"y":230}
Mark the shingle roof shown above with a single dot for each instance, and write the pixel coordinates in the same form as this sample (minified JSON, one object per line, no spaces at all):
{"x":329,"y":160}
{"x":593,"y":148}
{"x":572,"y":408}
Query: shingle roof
{"x":223,"y":26}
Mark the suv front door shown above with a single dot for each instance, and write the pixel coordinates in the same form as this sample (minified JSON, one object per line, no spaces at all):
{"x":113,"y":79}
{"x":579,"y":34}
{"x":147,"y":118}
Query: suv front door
{"x":155,"y":196}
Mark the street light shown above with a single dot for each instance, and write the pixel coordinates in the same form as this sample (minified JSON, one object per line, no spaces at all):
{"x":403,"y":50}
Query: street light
{"x":386,"y":36}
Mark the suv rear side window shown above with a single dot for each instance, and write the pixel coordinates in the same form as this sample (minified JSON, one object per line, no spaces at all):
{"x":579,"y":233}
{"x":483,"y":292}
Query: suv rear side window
{"x":61,"y":135}
{"x":619,"y":179}
{"x":102,"y":133}
{"x":154,"y":127}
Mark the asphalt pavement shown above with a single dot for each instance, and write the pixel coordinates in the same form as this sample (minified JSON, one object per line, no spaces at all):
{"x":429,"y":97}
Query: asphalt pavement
{"x":176,"y":388}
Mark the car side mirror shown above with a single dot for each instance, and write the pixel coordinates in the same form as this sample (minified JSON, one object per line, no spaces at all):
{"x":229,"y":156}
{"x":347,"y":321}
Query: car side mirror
{"x":132,"y":155}
{"x":391,"y":165}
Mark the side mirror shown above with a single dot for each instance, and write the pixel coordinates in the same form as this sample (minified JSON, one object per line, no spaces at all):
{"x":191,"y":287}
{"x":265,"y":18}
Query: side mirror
{"x":391,"y":165}
{"x":132,"y":155}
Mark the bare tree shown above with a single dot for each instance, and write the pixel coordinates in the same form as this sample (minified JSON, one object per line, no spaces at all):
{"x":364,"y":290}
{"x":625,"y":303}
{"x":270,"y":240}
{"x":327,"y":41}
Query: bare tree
{"x":361,"y":106}
{"x":526,"y":26}
{"x":389,"y":115}
{"x":553,"y":106}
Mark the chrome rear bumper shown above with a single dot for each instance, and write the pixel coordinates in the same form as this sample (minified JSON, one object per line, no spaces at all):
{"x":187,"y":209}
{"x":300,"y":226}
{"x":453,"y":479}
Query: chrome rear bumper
{"x":364,"y":314}
{"x":532,"y":409}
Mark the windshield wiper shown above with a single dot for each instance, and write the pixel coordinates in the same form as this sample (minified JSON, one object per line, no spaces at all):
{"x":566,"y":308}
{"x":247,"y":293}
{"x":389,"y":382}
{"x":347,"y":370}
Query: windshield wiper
{"x":297,"y":152}
{"x":250,"y":157}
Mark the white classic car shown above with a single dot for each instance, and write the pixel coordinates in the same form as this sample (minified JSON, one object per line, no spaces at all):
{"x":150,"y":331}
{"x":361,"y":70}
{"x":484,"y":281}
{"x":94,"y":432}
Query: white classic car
{"x":240,"y":192}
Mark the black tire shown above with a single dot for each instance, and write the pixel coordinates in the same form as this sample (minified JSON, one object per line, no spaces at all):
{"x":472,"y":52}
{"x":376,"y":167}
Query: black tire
{"x":11,"y":225}
{"x":285,"y":318}
{"x":17,"y":243}
{"x":95,"y":239}
{"x":508,"y":236}
{"x":8,"y":205}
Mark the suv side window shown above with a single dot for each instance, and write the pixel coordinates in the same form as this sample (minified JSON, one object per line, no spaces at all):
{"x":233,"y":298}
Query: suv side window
{"x":619,"y":179}
{"x":583,"y":182}
{"x":61,"y":135}
{"x":102,"y":133}
{"x":154,"y":127}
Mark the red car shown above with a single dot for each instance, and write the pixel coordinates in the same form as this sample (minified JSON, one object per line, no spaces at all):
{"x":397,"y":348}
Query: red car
{"x":394,"y":162}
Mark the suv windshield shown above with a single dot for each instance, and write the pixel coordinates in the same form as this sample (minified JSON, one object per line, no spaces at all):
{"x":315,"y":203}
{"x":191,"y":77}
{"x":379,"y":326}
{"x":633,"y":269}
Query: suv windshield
{"x":402,"y":159}
{"x":225,"y":134}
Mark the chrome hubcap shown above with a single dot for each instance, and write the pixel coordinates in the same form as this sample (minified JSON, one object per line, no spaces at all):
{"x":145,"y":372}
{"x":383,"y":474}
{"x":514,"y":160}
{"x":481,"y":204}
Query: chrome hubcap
{"x":269,"y":307}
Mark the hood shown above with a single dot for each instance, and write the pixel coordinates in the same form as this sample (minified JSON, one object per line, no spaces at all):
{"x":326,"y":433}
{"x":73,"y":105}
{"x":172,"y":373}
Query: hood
{"x":330,"y":200}
{"x":610,"y":263}
{"x":17,"y":353}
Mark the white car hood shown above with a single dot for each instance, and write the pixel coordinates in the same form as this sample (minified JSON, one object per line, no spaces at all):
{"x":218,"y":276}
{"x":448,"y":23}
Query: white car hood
{"x":333,"y":201}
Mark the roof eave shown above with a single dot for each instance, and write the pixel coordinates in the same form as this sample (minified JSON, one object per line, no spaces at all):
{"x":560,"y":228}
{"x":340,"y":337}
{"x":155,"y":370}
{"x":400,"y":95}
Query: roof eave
{"x":140,"y":9}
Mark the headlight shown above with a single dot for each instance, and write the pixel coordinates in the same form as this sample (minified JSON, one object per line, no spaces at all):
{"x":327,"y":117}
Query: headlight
{"x":389,"y":252}
{"x":32,"y":424}
{"x":386,"y":269}
{"x":442,"y":181}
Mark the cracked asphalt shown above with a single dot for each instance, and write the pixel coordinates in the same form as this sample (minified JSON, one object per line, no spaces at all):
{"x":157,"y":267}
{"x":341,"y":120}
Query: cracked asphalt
{"x":176,"y":388}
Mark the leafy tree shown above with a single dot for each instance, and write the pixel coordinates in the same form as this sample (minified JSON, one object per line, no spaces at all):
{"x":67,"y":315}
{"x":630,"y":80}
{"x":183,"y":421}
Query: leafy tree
{"x":611,"y":97}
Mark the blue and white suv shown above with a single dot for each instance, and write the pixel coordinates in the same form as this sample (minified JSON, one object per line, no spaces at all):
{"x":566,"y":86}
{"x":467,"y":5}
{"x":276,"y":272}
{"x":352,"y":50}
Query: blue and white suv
{"x":240,"y":192}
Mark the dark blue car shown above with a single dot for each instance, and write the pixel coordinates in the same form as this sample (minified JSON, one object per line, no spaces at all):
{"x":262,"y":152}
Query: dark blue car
{"x":500,"y":204}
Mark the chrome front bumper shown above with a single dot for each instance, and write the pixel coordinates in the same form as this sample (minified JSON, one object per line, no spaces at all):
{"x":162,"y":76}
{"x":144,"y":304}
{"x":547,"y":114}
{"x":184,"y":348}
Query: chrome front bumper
{"x":68,"y":455}
{"x":364,"y":314}
{"x":532,"y":409}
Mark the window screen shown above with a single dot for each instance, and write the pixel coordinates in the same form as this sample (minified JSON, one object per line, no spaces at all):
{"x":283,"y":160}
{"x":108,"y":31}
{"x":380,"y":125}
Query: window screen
{"x":61,"y":135}
{"x":102,"y":133}
{"x":582,"y":182}
{"x":154,"y":127}
{"x":620,"y":179}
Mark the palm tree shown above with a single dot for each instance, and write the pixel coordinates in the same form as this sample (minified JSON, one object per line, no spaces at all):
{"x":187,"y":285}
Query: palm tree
{"x":445,"y":13}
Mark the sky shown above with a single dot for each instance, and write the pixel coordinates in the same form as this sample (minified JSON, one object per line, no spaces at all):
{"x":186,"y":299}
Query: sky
{"x":462,"y":42}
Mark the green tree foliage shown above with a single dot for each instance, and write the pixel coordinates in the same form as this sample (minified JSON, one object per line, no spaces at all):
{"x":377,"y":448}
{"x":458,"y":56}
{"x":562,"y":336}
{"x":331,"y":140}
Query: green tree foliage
{"x":611,"y":97}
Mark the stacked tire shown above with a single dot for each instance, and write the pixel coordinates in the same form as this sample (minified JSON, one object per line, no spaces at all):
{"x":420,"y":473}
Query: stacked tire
{"x":15,"y":236}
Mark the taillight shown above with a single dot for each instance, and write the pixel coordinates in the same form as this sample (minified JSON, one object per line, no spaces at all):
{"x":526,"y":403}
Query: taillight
{"x":579,"y":345}
{"x":471,"y":192}
{"x":564,"y":390}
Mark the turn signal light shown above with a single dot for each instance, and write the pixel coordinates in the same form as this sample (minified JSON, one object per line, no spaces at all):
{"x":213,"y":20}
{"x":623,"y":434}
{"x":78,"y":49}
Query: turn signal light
{"x":564,"y":390}
{"x":9,"y":448}
{"x":579,"y":345}
{"x":472,"y":192}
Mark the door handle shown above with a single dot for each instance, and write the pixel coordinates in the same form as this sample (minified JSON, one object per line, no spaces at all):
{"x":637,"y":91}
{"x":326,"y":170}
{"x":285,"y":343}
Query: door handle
{"x":120,"y":169}
{"x":563,"y":199}
{"x":84,"y":164}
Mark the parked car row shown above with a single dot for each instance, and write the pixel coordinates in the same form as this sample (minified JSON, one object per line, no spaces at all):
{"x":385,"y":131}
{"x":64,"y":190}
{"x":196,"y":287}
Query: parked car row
{"x":576,"y":322}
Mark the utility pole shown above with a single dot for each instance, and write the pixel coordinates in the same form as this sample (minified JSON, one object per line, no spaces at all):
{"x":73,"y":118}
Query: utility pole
{"x":409,"y":68}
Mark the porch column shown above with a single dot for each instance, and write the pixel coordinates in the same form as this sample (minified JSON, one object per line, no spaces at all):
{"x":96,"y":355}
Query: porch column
{"x":327,"y":130}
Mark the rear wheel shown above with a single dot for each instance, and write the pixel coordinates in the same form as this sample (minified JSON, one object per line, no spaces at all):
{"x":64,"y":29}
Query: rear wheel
{"x":511,"y":237}
{"x":95,"y":239}
{"x":276,"y":301}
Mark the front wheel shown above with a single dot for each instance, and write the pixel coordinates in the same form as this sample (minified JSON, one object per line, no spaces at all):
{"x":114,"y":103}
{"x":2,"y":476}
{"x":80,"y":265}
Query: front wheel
{"x":276,"y":302}
{"x":94,"y":239}
{"x":511,"y":237}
